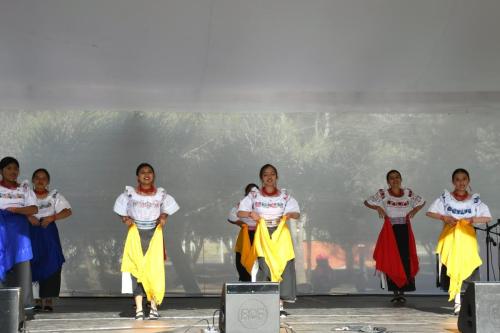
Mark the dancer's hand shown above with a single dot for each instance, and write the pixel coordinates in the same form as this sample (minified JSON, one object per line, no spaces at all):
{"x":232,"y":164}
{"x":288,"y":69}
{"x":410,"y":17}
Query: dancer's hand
{"x":381,"y":213}
{"x":449,"y":220}
{"x":47,"y":220}
{"x":127,"y":221}
{"x":292,"y":215}
{"x":162,"y":220}
{"x":11,"y":209}
{"x":34,"y":221}
{"x":411,"y":214}
{"x":254,"y":216}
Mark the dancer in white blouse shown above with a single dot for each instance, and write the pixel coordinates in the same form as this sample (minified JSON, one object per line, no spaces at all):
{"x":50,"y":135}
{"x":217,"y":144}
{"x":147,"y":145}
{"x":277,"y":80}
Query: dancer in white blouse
{"x":17,"y":201}
{"x":450,"y":208}
{"x":48,"y":258}
{"x":145,"y":206}
{"x":270,"y":204}
{"x":233,"y":218}
{"x":399,"y":205}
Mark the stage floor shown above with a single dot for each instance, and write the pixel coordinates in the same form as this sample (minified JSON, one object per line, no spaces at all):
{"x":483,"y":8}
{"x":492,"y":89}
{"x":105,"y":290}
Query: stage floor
{"x":421,"y":314}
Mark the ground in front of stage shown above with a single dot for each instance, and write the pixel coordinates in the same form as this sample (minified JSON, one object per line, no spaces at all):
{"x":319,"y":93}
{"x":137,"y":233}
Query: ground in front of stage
{"x":421,"y":314}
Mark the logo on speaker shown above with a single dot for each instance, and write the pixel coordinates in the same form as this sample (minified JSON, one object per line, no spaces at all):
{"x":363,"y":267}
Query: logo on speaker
{"x":252,"y":314}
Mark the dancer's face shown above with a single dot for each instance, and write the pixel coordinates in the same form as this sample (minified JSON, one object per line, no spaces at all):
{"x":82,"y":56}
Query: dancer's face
{"x":10,"y":172}
{"x":461,"y":181}
{"x":269,"y":177}
{"x":146,"y":176}
{"x":40,"y":181}
{"x":394,"y":180}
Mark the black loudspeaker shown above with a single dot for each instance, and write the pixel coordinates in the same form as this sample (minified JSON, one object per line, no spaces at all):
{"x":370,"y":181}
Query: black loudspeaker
{"x":480,"y":310}
{"x":11,"y":310}
{"x":250,"y":307}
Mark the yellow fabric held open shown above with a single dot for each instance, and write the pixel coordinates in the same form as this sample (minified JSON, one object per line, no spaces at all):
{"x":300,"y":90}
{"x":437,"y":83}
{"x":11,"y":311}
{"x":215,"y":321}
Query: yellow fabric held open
{"x":276,"y":250}
{"x":457,"y":246}
{"x":242,"y":244}
{"x":247,"y":251}
{"x":148,"y":269}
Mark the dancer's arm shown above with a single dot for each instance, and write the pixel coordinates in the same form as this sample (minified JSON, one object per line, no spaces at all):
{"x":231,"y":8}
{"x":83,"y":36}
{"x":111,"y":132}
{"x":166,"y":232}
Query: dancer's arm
{"x":444,"y":218}
{"x":45,"y":221}
{"x":28,"y":210}
{"x":415,"y":210}
{"x":162,"y":220}
{"x":479,"y":219}
{"x":292,"y":215}
{"x":252,"y":215}
{"x":127,"y":220}
{"x":380,"y":210}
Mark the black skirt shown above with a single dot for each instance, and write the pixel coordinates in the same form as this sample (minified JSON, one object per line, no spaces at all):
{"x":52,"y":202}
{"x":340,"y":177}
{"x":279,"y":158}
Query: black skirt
{"x":51,"y":286}
{"x":403,"y":241}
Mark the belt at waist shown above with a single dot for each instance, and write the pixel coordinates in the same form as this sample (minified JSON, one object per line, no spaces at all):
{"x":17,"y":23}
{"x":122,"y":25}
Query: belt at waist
{"x":272,"y":222}
{"x":397,"y":220}
{"x":145,"y":224}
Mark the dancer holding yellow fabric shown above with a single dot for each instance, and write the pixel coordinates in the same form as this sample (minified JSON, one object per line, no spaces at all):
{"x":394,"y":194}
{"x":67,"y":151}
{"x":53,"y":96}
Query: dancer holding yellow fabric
{"x":144,"y":210}
{"x":273,"y":245}
{"x":245,"y":238}
{"x":457,"y":245}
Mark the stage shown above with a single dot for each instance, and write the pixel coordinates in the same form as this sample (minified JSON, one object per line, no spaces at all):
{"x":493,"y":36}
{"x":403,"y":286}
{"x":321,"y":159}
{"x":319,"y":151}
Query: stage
{"x":422,"y":314}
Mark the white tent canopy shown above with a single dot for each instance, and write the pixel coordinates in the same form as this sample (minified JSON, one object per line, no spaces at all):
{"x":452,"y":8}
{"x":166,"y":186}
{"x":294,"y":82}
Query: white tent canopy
{"x":127,"y":54}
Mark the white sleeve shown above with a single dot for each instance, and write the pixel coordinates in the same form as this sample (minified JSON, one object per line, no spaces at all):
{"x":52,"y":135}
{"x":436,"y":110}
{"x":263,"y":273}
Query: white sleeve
{"x":415,"y":199}
{"x":61,"y":203}
{"x":483,"y":210}
{"x":121,"y":204}
{"x":246,"y":205}
{"x":376,"y":199}
{"x":233,"y":217}
{"x":169,"y":205}
{"x":437,"y":207}
{"x":292,"y":206}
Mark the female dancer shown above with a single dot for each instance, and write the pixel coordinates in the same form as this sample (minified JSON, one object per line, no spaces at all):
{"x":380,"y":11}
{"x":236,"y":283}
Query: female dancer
{"x":48,"y":257}
{"x":457,"y":245}
{"x":247,"y":226}
{"x":145,"y":209}
{"x":395,"y":253}
{"x":273,"y":245}
{"x":17,"y":201}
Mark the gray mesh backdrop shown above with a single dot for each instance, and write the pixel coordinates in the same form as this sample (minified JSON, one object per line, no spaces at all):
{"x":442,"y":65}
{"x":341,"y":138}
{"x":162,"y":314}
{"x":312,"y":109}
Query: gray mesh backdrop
{"x":330,"y":162}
